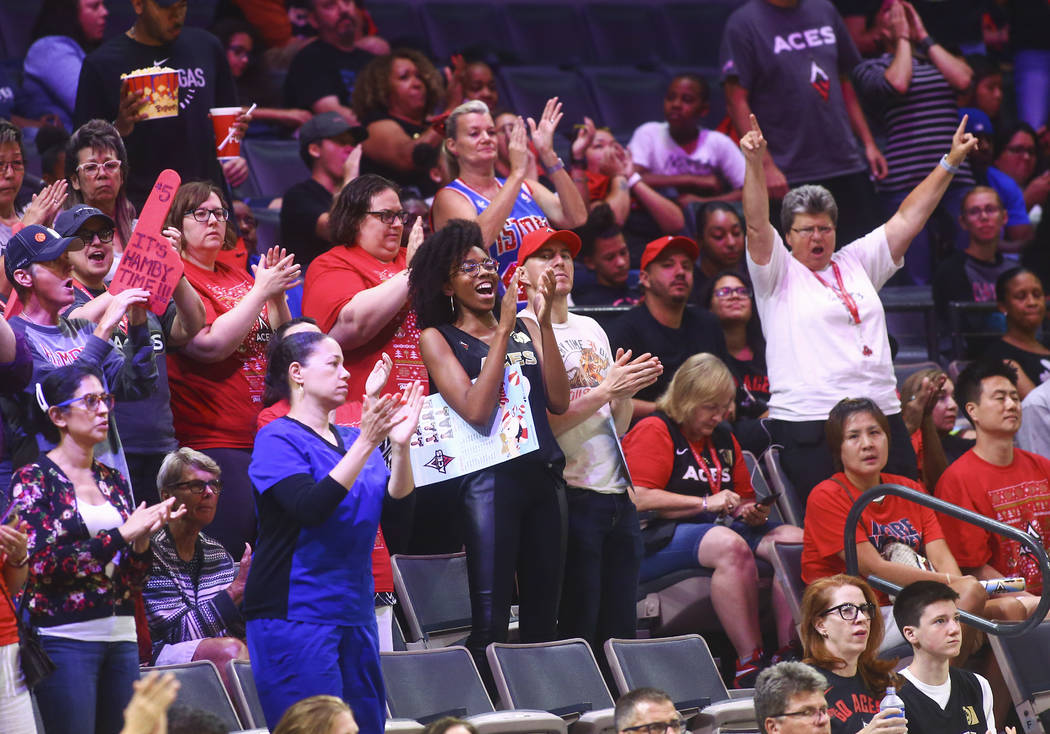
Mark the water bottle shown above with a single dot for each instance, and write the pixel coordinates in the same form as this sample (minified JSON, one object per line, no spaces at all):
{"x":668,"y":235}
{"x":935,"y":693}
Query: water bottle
{"x":892,"y":701}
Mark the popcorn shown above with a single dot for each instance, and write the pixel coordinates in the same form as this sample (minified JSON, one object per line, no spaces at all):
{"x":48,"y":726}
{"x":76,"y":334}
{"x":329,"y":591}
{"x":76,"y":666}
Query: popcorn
{"x":160,"y":84}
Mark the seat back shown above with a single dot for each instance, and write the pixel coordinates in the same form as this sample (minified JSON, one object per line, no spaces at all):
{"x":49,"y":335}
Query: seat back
{"x":478,"y":30}
{"x":787,"y":562}
{"x":1022,"y":660}
{"x":696,"y":29}
{"x":626,"y":97}
{"x":275,"y":165}
{"x":434,"y":594}
{"x":630,"y":32}
{"x":529,"y":88}
{"x":548,"y":32}
{"x":904,"y":370}
{"x":201,"y":686}
{"x":426,"y":685}
{"x":245,"y":696}
{"x":399,"y":23}
{"x":761,"y":487}
{"x":682,"y":666}
{"x":561,"y":677}
{"x":791,"y":507}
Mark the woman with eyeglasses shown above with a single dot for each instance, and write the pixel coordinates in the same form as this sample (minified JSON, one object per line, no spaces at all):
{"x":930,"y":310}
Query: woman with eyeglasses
{"x":88,"y":556}
{"x":824,"y":324}
{"x":216,"y":378}
{"x":841,"y":641}
{"x":505,"y":209}
{"x":689,"y":474}
{"x":514,"y":512}
{"x":896,"y":539}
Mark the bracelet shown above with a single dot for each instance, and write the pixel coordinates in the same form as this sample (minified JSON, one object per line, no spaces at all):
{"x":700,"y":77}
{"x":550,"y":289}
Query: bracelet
{"x":705,"y":503}
{"x":20,"y":564}
{"x":926,"y":44}
{"x":635,"y":178}
{"x":948,"y":166}
{"x":558,"y":166}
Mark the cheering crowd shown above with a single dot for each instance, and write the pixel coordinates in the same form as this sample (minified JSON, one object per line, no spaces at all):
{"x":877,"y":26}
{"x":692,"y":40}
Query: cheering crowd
{"x":224,"y":476}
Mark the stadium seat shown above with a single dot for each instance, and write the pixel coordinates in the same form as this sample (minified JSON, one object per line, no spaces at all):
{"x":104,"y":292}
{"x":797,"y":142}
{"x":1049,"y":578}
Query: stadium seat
{"x":696,"y":29}
{"x":904,"y":370}
{"x":684,"y":668}
{"x":561,"y":677}
{"x":791,"y":506}
{"x":267,"y":228}
{"x":626,"y":97}
{"x":201,"y":687}
{"x":16,"y":24}
{"x":787,"y":563}
{"x":1022,"y":661}
{"x":551,"y":32}
{"x":477,"y":30}
{"x":434,"y":597}
{"x":403,"y":726}
{"x":760,"y":485}
{"x":529,"y":88}
{"x":275,"y":165}
{"x":425,"y":685}
{"x":399,"y":23}
{"x":245,"y":697}
{"x":628,"y":32}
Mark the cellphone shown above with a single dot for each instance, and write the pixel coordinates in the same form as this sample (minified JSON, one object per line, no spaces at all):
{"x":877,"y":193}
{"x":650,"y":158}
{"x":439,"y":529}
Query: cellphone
{"x":10,"y":516}
{"x":767,"y":501}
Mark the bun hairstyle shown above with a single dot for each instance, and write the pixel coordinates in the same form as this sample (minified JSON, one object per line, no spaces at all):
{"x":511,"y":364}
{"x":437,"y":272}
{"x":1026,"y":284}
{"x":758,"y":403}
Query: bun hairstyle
{"x":295,"y":348}
{"x":57,"y":387}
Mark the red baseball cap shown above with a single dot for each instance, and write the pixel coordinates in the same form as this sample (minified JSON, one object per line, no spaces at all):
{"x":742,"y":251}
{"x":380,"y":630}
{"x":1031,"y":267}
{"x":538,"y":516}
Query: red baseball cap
{"x":536,"y":239}
{"x":655,"y":248}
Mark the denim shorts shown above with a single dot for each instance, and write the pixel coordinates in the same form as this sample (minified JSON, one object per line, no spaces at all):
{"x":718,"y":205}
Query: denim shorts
{"x":681,"y":553}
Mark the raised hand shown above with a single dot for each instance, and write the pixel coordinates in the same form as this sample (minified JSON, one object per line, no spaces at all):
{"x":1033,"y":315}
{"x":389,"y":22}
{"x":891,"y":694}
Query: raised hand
{"x":584,"y":138}
{"x":130,"y":110}
{"x":174,"y":238}
{"x":543,"y":301}
{"x":379,"y":375}
{"x":415,"y":239}
{"x":14,"y":544}
{"x":236,"y":587}
{"x":962,"y":143}
{"x":543,"y":133}
{"x":145,"y":521}
{"x":276,"y":273}
{"x":119,"y":305}
{"x":518,"y":147}
{"x":352,"y":164}
{"x":46,"y":204}
{"x":508,"y":308}
{"x":147,"y":711}
{"x":627,"y":376}
{"x":406,"y":420}
{"x":378,"y":417}
{"x":753,"y":143}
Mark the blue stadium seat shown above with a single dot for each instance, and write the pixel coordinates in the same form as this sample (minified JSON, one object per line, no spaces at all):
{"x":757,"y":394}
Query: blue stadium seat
{"x":529,"y":88}
{"x":628,"y":32}
{"x":275,"y":165}
{"x":399,"y":23}
{"x":477,"y":30}
{"x":696,"y":29}
{"x":626,"y":97}
{"x":550,"y":32}
{"x":16,"y":21}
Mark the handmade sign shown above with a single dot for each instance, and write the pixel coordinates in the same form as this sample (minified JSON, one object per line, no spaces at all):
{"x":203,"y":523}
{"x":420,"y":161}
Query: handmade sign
{"x":149,"y":261}
{"x":446,"y":446}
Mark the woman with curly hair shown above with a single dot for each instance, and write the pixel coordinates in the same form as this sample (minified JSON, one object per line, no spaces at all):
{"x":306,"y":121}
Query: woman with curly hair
{"x":393,"y":97}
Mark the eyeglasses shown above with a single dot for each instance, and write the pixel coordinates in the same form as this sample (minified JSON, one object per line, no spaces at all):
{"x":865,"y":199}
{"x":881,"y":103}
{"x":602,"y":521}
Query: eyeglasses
{"x":201,"y":215}
{"x":1021,"y":150}
{"x":989,"y":210}
{"x":471,"y":266}
{"x":387,"y":216}
{"x":658,"y":727}
{"x":815,"y":713}
{"x":91,"y":400}
{"x":727,"y":290}
{"x":196,"y":486}
{"x":104,"y":235}
{"x":15,"y":165}
{"x":849,"y":611}
{"x":91,"y":168}
{"x":810,"y":231}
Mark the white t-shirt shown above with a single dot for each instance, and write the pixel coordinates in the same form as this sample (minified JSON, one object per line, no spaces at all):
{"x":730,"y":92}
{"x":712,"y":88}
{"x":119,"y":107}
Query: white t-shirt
{"x":815,"y":354}
{"x":593,"y":458}
{"x":940,"y":694}
{"x":651,"y":146}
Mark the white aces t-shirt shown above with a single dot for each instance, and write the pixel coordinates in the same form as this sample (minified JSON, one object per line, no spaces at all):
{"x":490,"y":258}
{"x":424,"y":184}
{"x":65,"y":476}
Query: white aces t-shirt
{"x":815,"y":354}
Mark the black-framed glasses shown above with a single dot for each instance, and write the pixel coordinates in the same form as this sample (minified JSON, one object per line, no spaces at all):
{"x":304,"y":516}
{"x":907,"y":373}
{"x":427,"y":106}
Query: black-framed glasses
{"x":470,"y":267}
{"x":813,"y":713}
{"x":91,"y":168}
{"x":104,"y":235}
{"x":202,"y":214}
{"x":727,"y":290}
{"x":659,"y":727}
{"x":849,"y":611}
{"x":91,"y":400}
{"x":824,"y":229}
{"x":197,"y":486}
{"x":387,"y":216}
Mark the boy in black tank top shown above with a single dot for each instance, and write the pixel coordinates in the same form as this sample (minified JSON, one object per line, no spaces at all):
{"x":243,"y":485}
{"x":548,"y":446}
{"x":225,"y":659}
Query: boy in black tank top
{"x":939,"y":699}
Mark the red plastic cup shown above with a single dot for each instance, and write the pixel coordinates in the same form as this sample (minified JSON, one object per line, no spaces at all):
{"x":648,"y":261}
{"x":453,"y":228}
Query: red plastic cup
{"x":222,"y":119}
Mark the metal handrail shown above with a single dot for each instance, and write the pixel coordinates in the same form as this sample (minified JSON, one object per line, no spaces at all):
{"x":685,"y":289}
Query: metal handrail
{"x":1005,"y":629}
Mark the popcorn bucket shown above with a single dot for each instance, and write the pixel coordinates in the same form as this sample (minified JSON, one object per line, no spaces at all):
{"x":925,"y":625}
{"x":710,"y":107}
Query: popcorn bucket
{"x":161,"y":90}
{"x":222,"y":119}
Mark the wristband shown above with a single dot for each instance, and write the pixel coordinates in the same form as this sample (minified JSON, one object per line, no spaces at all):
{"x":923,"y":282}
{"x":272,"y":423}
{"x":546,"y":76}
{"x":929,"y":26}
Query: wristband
{"x":635,"y":178}
{"x":705,"y":503}
{"x":948,"y":166}
{"x":926,"y":44}
{"x":558,"y":166}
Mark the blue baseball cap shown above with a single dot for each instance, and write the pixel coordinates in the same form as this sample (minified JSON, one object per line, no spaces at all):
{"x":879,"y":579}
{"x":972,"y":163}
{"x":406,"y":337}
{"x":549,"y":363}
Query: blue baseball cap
{"x":978,"y":122}
{"x":69,"y":222}
{"x":36,"y":244}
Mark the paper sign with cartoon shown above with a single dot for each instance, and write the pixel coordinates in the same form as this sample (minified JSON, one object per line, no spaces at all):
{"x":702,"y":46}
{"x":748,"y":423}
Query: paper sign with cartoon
{"x":446,"y":446}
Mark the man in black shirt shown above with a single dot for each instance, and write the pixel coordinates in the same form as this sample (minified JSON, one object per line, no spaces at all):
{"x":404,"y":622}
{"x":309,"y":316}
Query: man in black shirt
{"x":184,"y":143}
{"x":661,"y":324}
{"x":321,"y":76}
{"x":327,"y":145}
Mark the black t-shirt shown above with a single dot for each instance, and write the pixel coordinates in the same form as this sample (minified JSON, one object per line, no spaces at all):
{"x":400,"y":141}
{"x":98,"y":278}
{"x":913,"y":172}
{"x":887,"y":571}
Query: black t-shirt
{"x":752,"y":384}
{"x":1035,"y":366}
{"x":321,"y":70}
{"x":639,"y":331}
{"x":301,"y":207}
{"x":419,"y":178}
{"x":964,"y":713}
{"x":587,"y":291}
{"x":850,"y":704}
{"x":184,"y":143}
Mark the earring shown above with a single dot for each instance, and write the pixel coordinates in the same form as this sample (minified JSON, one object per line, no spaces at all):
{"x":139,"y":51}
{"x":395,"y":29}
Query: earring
{"x":452,"y":303}
{"x":824,"y":634}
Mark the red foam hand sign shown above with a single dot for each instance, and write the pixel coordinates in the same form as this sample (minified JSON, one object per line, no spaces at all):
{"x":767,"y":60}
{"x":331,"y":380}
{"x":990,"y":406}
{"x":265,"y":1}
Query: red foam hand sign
{"x":149,"y":261}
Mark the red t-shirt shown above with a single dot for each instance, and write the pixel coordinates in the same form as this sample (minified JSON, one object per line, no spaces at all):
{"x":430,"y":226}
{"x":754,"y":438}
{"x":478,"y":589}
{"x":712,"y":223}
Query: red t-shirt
{"x":1017,"y":495}
{"x":381,"y":571}
{"x":236,"y":258}
{"x":215,"y":404}
{"x":893,"y":518}
{"x":650,"y":454}
{"x":8,"y":628}
{"x":336,"y":277}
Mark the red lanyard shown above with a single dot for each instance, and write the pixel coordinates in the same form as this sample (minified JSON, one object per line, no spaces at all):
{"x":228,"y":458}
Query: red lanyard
{"x":842,"y":293}
{"x":714,"y":468}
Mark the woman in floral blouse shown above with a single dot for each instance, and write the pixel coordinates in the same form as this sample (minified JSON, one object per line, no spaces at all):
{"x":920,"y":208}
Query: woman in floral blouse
{"x":88,"y":552}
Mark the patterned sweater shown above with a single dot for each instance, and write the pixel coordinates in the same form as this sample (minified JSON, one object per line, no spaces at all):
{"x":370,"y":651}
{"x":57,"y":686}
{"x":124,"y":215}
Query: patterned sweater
{"x":67,"y":567}
{"x":188,"y":601}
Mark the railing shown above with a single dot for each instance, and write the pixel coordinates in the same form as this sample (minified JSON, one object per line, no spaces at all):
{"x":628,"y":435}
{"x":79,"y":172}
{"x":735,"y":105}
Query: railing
{"x":1006,"y":629}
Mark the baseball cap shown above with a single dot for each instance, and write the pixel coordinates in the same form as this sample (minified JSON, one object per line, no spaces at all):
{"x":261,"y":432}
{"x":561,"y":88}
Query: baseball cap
{"x":69,"y":222}
{"x":165,"y":3}
{"x":36,"y":244}
{"x":978,"y":122}
{"x":537,"y":238}
{"x":327,"y":125}
{"x":655,"y":248}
